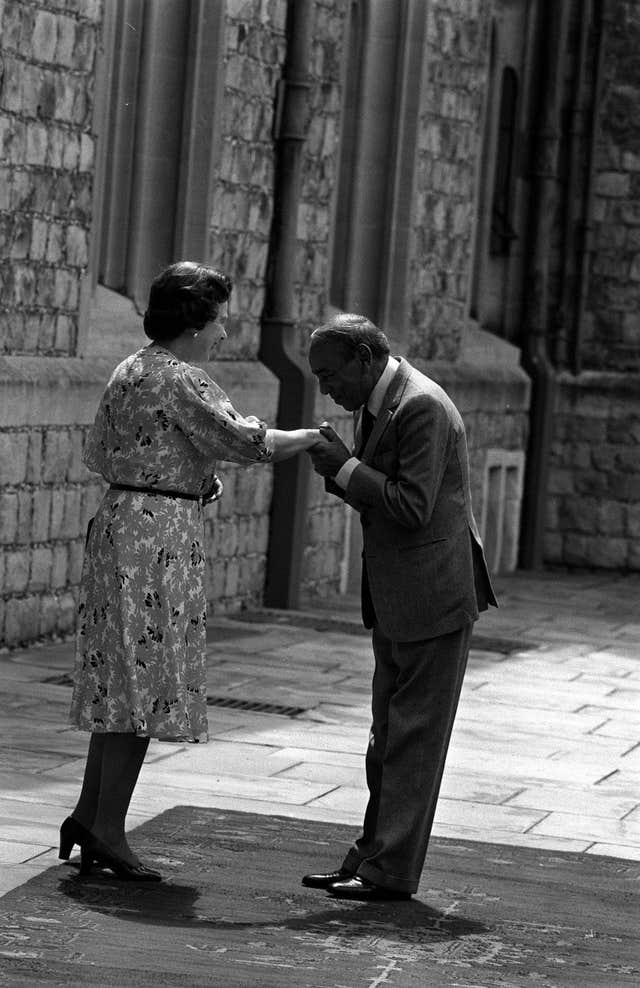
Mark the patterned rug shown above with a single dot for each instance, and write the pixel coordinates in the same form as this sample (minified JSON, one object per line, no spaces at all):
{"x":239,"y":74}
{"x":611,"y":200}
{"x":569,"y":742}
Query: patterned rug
{"x":232,"y":912}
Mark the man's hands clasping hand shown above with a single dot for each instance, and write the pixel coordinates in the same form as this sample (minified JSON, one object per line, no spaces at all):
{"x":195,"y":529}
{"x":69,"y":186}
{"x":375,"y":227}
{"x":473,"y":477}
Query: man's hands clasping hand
{"x":330,"y":453}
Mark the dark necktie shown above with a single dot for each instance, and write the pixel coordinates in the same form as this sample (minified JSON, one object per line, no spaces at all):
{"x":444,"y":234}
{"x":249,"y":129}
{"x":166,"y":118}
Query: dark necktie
{"x":366,"y":426}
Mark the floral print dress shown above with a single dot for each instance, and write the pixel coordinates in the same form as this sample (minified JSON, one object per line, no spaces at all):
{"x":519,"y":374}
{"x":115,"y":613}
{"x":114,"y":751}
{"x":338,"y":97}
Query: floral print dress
{"x":140,"y":653}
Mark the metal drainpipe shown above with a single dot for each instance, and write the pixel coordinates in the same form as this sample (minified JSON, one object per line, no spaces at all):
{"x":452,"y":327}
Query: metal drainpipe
{"x":570,"y":275}
{"x":602,"y":16}
{"x":535,"y":356}
{"x":278,"y":345}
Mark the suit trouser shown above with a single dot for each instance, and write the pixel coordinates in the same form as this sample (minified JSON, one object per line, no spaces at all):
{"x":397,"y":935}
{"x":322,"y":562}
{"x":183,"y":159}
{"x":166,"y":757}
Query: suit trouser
{"x":416,"y":687}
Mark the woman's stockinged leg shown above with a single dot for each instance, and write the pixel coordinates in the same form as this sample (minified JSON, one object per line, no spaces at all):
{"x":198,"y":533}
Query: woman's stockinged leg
{"x":87,"y":804}
{"x":122,"y":758}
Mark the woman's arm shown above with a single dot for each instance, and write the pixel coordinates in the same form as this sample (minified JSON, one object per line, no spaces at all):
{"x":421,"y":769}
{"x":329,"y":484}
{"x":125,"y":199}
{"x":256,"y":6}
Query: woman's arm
{"x":285,"y":444}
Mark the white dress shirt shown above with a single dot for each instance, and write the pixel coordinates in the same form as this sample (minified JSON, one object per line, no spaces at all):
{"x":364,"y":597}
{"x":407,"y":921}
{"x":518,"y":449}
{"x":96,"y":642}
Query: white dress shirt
{"x":374,"y":404}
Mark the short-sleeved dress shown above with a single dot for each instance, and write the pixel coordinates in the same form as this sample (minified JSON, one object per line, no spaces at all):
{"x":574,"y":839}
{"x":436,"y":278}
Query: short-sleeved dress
{"x":140,"y":654}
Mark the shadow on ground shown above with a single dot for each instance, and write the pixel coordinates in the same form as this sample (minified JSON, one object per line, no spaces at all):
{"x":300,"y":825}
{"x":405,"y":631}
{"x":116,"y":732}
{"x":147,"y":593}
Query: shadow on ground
{"x":232,"y":912}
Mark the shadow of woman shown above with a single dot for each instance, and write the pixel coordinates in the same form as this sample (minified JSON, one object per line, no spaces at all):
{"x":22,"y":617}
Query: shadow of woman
{"x":159,"y":903}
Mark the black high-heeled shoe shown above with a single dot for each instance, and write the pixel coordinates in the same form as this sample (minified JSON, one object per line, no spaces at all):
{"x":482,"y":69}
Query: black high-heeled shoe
{"x":72,"y":832}
{"x":94,"y":851}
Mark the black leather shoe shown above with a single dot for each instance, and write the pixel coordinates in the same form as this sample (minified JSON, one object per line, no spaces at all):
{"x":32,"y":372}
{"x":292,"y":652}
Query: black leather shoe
{"x":72,"y":832}
{"x":324,"y":881}
{"x":364,"y":891}
{"x":94,"y":851}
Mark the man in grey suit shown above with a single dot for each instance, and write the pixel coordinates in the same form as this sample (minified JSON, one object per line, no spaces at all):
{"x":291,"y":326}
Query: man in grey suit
{"x":424,"y":581}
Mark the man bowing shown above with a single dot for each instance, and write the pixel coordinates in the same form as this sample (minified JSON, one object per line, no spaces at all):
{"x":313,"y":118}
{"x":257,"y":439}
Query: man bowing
{"x":424,"y":581}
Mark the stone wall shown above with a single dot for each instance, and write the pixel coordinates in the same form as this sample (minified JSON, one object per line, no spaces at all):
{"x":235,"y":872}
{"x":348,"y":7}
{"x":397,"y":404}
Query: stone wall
{"x":480,"y":372}
{"x":240,"y":229}
{"x":320,"y":163}
{"x":45,"y":504}
{"x":493,"y":400}
{"x":46,"y":170}
{"x":456,"y":62}
{"x":327,"y":538}
{"x":47,"y":75}
{"x":242,"y":202}
{"x":611,"y":330}
{"x":593,"y":517}
{"x":242,"y":207}
{"x":594,"y":488}
{"x":46,"y":495}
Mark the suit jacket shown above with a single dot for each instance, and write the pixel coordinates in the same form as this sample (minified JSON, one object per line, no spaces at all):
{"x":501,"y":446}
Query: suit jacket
{"x":423,"y":556}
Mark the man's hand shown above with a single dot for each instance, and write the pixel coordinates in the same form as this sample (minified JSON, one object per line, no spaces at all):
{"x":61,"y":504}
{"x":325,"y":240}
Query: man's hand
{"x":330,"y":453}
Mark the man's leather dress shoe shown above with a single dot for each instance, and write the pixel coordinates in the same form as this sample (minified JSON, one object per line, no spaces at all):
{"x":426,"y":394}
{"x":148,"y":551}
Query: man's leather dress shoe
{"x":324,"y":881}
{"x":364,"y":891}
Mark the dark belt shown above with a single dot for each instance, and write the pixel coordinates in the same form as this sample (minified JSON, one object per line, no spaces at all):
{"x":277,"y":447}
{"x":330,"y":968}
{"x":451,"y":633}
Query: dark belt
{"x":157,"y":490}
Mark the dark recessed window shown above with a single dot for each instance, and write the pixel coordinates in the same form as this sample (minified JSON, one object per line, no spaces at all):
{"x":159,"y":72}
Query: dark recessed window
{"x":502,"y":232}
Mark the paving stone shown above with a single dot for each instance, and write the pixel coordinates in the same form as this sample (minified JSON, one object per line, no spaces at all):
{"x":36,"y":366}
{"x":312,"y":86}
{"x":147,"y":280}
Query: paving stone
{"x":611,"y":831}
{"x":14,"y":874}
{"x":624,"y":699}
{"x":618,"y":727}
{"x":630,"y":852}
{"x":15,"y":852}
{"x":485,"y":818}
{"x":228,"y":759}
{"x":591,"y":804}
{"x":470,"y":786}
{"x":530,"y":769}
{"x":350,"y":799}
{"x":512,"y":838}
{"x":567,"y":697}
{"x":353,"y":742}
{"x":337,"y":775}
{"x":529,"y":721}
{"x":245,"y":786}
{"x":325,"y":757}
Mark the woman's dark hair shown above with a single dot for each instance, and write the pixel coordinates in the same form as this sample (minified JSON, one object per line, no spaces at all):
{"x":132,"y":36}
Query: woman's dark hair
{"x":350,"y":330}
{"x":185,"y":295}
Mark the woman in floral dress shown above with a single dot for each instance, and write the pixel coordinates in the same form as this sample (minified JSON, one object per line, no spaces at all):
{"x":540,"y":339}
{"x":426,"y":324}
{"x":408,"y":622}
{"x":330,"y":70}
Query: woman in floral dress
{"x":140,"y":659}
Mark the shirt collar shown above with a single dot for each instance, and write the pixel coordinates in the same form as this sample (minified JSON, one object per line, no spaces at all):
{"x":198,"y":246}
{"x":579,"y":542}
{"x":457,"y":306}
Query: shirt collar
{"x":374,"y":402}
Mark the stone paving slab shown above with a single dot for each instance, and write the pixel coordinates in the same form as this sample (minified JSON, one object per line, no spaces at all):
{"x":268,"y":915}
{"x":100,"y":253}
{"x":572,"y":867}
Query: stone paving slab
{"x":621,"y":832}
{"x":575,"y":801}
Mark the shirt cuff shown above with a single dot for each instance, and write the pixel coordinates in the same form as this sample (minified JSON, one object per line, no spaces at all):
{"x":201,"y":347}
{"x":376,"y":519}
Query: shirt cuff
{"x":344,"y":473}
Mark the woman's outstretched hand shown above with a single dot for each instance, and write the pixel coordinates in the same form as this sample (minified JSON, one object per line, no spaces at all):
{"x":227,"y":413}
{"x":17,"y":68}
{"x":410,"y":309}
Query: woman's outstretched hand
{"x":287,"y":443}
{"x":216,"y":491}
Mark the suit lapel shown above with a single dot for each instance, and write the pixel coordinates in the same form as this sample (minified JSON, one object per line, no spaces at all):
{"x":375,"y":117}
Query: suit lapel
{"x":390,"y":402}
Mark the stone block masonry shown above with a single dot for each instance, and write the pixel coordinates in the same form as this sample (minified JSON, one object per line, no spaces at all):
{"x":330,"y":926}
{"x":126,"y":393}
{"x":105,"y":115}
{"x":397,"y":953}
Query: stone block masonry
{"x":237,"y":538}
{"x":242,"y":208}
{"x":447,"y":150}
{"x":240,"y":229}
{"x":611,"y":330}
{"x":327,"y":545}
{"x":243,"y":205}
{"x":43,"y":522}
{"x":594,"y":487}
{"x":46,"y":170}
